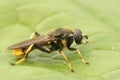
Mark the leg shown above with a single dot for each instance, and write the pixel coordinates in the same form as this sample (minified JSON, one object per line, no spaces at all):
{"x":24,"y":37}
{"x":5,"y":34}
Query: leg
{"x":37,"y":34}
{"x":26,"y":52}
{"x":32,"y":35}
{"x":25,"y":56}
{"x":43,"y":48}
{"x":82,"y":59}
{"x":80,"y":55}
{"x":68,"y":62}
{"x":72,"y":49}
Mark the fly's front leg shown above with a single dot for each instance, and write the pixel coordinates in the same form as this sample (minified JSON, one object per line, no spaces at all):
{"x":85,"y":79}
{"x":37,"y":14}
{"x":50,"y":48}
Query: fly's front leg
{"x":80,"y":55}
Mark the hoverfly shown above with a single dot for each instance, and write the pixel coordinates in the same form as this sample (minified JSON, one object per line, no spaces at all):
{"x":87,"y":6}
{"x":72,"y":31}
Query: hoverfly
{"x":55,"y":40}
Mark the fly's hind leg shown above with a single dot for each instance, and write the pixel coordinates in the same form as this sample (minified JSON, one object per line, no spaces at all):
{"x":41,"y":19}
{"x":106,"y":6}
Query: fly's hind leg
{"x":25,"y":55}
{"x":27,"y":50}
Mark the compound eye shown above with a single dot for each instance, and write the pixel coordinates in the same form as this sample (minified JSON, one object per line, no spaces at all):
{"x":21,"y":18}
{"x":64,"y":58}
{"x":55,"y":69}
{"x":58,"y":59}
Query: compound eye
{"x":77,"y":36}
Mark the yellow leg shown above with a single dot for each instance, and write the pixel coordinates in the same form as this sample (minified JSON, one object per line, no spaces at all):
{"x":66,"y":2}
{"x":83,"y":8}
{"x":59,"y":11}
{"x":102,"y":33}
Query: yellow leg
{"x":25,"y":56}
{"x":32,"y":35}
{"x":82,"y":59}
{"x":26,"y":52}
{"x":18,"y":62}
{"x":68,"y":62}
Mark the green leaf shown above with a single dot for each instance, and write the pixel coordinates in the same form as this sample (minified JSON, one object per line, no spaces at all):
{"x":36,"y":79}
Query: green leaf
{"x":97,"y":18}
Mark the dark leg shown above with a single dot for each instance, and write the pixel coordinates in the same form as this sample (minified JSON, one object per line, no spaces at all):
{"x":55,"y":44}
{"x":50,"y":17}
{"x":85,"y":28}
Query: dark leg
{"x":37,"y":34}
{"x":72,"y":49}
{"x":43,"y":48}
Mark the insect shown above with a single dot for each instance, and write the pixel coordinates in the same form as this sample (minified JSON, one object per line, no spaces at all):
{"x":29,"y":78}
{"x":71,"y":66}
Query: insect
{"x":55,"y":40}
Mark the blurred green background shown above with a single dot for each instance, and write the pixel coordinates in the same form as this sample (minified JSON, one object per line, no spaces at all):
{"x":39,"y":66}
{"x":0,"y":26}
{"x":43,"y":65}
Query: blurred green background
{"x":100,"y":19}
